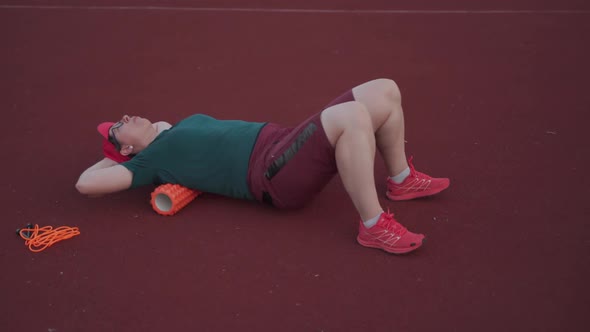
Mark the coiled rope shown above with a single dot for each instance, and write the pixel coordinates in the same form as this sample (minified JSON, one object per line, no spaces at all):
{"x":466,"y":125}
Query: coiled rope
{"x":39,"y":238}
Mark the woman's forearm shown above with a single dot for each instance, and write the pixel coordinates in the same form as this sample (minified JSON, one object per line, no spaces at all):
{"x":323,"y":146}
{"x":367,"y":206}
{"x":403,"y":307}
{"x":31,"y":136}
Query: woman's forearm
{"x":104,"y":163}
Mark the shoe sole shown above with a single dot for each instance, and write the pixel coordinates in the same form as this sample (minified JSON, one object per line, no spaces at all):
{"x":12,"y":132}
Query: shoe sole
{"x":406,"y":197}
{"x":390,"y":250}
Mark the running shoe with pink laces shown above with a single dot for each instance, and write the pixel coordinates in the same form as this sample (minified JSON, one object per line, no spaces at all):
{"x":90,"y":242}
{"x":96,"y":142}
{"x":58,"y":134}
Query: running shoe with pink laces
{"x":416,"y":185}
{"x":389,"y":235}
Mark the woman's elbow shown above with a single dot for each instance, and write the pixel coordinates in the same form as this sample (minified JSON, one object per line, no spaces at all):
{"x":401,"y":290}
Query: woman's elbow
{"x":83,"y":188}
{"x":80,"y":187}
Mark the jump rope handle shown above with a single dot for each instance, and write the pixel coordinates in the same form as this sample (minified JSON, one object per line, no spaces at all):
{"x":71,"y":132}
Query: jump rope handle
{"x":27,"y":233}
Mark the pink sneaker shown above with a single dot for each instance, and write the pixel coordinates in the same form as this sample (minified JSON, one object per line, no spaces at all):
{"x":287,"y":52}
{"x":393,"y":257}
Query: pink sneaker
{"x":389,"y":235}
{"x":415,"y":185}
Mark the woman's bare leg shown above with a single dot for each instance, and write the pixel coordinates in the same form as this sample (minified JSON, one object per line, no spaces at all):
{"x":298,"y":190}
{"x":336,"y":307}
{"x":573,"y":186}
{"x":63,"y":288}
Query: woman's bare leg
{"x":349,"y":129}
{"x":382,"y":99}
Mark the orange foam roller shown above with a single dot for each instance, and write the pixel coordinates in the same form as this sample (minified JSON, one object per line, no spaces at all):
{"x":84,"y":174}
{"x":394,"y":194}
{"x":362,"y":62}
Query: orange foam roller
{"x":168,"y":199}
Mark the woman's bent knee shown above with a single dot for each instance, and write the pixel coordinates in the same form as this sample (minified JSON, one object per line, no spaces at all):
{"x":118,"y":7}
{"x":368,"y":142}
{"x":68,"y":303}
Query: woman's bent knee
{"x":388,"y":89}
{"x":347,"y":116}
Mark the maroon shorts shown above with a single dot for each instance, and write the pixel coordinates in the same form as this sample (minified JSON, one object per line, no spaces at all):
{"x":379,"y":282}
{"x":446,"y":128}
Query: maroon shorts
{"x":289,"y":166}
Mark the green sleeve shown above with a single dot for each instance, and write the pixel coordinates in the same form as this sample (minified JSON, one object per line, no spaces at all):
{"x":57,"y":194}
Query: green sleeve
{"x":143,"y":171}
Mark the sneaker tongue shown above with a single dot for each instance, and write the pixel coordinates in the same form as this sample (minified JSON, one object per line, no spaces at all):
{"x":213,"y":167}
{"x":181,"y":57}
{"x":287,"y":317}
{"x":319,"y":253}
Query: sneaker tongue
{"x":387,"y":221}
{"x":412,"y":169}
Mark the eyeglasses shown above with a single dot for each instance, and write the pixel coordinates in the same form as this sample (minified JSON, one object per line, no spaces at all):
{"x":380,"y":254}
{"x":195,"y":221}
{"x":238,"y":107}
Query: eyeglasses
{"x":113,"y":138}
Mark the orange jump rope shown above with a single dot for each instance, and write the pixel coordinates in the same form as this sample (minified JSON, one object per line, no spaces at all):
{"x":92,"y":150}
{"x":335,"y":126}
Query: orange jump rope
{"x":39,"y":238}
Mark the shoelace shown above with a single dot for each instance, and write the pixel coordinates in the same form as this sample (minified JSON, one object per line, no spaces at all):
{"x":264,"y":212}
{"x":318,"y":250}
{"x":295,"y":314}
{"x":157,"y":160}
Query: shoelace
{"x":39,"y":238}
{"x":391,"y":224}
{"x":415,"y":173}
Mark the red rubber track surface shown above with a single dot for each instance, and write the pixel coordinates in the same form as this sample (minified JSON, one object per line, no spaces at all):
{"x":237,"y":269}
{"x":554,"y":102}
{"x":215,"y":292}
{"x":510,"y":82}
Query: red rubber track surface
{"x":497,"y":101}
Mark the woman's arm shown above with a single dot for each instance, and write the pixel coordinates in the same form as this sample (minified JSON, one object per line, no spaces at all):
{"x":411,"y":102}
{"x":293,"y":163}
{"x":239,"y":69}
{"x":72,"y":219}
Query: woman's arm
{"x":104,"y":177}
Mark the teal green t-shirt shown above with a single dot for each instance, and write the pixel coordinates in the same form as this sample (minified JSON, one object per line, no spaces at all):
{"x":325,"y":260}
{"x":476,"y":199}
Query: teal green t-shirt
{"x":200,"y":153}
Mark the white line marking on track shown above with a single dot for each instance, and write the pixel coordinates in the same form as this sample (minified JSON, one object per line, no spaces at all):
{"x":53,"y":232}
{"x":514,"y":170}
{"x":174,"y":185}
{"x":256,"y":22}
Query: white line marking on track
{"x":309,"y":11}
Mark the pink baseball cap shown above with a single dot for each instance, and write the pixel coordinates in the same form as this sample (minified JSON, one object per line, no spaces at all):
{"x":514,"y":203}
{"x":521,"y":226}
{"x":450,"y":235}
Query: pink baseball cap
{"x":108,"y":149}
